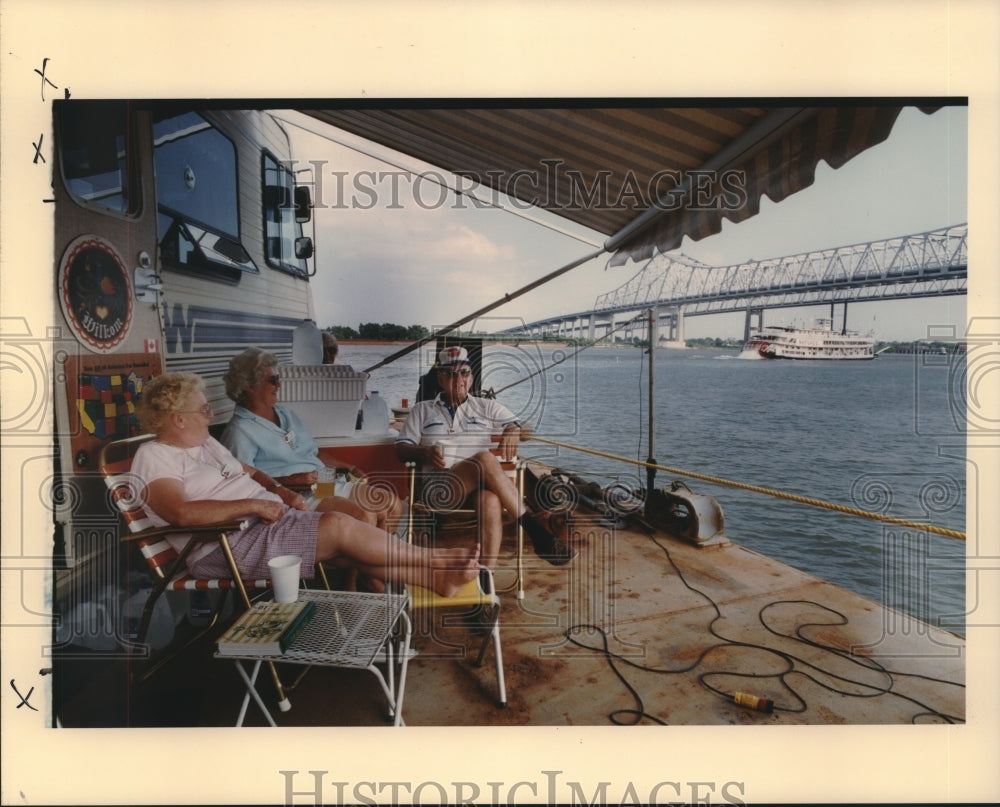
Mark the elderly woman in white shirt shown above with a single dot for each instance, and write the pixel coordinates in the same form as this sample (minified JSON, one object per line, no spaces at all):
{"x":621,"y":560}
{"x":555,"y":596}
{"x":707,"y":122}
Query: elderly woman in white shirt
{"x":189,"y":478}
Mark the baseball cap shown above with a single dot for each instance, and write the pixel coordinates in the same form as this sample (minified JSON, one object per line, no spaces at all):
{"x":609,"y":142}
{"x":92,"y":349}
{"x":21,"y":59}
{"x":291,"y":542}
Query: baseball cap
{"x":453,"y":355}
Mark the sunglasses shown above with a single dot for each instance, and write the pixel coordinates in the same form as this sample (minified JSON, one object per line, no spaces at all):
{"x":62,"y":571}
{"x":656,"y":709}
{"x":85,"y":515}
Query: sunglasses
{"x":274,"y":380}
{"x":464,"y":373}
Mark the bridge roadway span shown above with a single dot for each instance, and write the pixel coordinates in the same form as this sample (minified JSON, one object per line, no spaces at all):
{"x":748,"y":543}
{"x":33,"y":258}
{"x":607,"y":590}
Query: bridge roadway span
{"x":929,"y":264}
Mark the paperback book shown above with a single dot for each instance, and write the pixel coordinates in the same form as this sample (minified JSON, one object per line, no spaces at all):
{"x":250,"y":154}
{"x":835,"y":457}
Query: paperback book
{"x":266,"y":629}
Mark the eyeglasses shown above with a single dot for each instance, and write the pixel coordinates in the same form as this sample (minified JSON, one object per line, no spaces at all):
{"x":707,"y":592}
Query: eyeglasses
{"x":274,"y":380}
{"x":205,"y":410}
{"x":464,"y":373}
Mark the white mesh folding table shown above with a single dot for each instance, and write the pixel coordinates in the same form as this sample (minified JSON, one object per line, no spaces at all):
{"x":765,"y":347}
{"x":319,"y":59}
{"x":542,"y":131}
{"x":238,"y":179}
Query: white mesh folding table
{"x":348,"y":629}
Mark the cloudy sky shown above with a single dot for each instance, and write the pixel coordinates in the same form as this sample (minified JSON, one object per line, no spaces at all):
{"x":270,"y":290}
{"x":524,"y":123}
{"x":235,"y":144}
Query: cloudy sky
{"x":397,"y":250}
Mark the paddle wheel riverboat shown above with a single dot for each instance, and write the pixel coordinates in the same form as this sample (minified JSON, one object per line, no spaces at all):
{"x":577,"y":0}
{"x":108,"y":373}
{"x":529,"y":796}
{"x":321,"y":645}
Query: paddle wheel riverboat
{"x":818,"y":342}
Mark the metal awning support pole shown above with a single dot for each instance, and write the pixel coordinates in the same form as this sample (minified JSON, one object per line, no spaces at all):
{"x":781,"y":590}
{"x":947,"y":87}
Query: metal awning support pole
{"x":486,"y":309}
{"x":651,"y":459}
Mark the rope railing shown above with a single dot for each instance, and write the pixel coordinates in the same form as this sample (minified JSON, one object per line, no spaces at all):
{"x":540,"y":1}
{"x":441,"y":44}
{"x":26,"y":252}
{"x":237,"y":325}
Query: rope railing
{"x":840,"y":508}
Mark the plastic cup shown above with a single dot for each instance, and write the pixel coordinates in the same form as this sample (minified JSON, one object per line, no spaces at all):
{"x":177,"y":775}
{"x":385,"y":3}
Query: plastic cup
{"x":451,"y":450}
{"x":285,"y":572}
{"x":326,"y":482}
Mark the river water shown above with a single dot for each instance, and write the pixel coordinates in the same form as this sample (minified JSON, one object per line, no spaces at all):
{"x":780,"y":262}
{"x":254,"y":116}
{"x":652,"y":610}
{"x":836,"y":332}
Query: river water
{"x":883,"y":436}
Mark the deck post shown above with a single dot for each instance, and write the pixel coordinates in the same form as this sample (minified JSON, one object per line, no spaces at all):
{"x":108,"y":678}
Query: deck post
{"x":651,"y":459}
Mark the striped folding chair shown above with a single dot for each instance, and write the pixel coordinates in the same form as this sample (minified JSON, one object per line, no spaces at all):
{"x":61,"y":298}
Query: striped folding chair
{"x":165,"y":563}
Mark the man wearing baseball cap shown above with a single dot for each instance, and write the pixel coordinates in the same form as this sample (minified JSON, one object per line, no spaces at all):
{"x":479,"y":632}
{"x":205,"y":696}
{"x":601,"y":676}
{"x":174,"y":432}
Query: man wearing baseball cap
{"x":450,"y":437}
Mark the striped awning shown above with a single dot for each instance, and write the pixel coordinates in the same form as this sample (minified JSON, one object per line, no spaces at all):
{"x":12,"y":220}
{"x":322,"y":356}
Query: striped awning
{"x":644,"y":175}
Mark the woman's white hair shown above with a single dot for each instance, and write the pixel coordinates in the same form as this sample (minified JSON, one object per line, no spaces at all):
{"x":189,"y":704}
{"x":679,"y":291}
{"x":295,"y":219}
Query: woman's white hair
{"x":246,"y":370}
{"x":164,"y":395}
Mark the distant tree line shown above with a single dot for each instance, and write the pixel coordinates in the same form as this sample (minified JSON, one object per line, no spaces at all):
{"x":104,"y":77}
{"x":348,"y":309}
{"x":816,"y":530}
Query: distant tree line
{"x":713,"y":342}
{"x":385,"y":331}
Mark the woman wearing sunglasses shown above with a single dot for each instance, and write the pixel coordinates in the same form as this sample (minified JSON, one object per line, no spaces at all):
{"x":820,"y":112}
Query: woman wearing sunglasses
{"x":271,"y":437}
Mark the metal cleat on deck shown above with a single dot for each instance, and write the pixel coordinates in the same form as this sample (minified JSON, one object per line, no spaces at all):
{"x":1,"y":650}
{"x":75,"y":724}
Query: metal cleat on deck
{"x":694,"y":517}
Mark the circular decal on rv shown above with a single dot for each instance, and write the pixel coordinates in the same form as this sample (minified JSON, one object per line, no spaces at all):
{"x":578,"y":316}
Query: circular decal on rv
{"x":95,"y":292}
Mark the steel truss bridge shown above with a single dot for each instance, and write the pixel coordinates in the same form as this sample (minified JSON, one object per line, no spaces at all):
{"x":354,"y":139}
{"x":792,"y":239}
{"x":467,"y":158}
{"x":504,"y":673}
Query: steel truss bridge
{"x":930,"y":264}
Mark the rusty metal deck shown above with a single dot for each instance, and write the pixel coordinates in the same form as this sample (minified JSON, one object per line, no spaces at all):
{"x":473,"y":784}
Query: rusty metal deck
{"x":685,"y":627}
{"x":735,"y":621}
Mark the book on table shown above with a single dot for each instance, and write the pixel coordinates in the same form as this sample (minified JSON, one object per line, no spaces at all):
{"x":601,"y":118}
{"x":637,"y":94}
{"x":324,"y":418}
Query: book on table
{"x":266,"y":629}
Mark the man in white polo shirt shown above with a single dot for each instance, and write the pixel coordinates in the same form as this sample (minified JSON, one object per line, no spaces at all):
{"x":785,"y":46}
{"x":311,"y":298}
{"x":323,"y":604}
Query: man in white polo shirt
{"x":450,"y":438}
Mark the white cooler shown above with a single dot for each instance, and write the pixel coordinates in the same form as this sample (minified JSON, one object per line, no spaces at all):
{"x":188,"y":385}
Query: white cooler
{"x":326,"y":396}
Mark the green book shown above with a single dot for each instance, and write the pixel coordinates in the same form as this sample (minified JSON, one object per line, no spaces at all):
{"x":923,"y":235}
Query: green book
{"x":266,"y":629}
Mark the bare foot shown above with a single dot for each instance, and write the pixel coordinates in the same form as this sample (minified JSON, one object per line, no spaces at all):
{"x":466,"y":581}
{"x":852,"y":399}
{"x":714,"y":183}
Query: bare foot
{"x":449,"y":582}
{"x":449,"y":577}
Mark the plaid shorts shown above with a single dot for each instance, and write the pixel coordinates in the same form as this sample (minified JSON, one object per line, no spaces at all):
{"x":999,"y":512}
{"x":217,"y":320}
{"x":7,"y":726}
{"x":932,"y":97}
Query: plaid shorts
{"x":295,"y":533}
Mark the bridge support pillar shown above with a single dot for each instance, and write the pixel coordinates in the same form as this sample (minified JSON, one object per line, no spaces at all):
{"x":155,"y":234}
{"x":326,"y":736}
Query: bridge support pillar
{"x":605,"y":321}
{"x":748,"y":323}
{"x":674,"y":326}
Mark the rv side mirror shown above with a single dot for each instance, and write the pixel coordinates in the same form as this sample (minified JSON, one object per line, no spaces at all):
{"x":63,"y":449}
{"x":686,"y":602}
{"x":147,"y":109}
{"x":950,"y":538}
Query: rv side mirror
{"x":303,"y":204}
{"x":303,"y":248}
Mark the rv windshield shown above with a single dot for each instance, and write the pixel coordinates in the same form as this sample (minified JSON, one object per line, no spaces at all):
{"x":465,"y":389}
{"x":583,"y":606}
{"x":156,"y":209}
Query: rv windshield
{"x":94,"y":157}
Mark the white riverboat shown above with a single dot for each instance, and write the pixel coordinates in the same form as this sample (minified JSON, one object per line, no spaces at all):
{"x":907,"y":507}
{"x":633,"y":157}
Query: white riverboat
{"x":818,"y":342}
